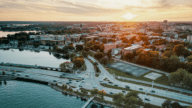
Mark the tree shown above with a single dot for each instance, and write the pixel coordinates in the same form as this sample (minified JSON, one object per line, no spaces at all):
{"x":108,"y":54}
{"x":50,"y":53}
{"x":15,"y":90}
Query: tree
{"x":104,"y":41}
{"x":86,"y":48}
{"x":179,"y":49}
{"x":78,"y":62}
{"x":72,"y":55}
{"x":189,"y":106}
{"x":62,"y":67}
{"x":85,"y":53}
{"x":166,"y":104}
{"x":102,"y":93}
{"x":97,"y":47}
{"x":101,"y":48}
{"x":168,"y":53}
{"x":147,"y":105}
{"x":104,"y":60}
{"x":109,"y":54}
{"x":175,"y":105}
{"x":118,"y":98}
{"x":94,"y":92}
{"x":132,"y":99}
{"x":3,"y":73}
{"x":55,"y":47}
{"x":79,"y":47}
{"x":129,"y":56}
{"x":99,"y":55}
{"x":173,"y":63}
{"x":189,"y":58}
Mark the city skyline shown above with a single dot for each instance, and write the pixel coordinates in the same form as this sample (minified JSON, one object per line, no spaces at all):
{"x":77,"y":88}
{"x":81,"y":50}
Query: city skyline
{"x":92,"y":10}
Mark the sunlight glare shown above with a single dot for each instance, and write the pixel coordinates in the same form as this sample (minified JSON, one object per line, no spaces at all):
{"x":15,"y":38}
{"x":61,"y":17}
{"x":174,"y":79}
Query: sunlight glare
{"x":129,"y":16}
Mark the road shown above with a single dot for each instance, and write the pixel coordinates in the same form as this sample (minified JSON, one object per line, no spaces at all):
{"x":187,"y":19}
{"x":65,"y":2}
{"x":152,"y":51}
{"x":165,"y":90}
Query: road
{"x":90,"y":80}
{"x":159,"y":92}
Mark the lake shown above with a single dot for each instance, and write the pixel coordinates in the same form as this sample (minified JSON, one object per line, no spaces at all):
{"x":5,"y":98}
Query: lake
{"x":30,"y":58}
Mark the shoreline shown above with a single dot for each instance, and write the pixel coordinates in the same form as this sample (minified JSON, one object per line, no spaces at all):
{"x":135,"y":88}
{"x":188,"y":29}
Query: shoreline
{"x":79,"y":96}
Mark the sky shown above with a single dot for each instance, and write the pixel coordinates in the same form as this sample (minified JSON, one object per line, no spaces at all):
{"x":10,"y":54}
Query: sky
{"x":95,"y":10}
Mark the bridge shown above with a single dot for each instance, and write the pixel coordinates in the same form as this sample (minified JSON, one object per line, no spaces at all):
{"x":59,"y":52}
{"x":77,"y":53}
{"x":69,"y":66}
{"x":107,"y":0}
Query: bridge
{"x":87,"y":103}
{"x":30,"y":66}
{"x":6,"y":77}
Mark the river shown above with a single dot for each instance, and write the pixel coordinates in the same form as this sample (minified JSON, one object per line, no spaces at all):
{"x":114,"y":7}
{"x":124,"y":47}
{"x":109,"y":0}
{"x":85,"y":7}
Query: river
{"x":18,"y":94}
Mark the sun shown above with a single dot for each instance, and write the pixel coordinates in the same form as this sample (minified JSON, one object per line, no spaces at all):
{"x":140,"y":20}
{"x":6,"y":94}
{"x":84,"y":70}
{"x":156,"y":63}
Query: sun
{"x":129,"y":16}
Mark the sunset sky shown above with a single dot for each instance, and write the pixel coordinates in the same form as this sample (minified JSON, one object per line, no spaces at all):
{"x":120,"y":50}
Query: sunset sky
{"x":95,"y":10}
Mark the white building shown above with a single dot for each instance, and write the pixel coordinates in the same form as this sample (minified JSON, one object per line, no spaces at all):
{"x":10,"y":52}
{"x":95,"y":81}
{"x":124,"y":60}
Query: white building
{"x":189,"y":38}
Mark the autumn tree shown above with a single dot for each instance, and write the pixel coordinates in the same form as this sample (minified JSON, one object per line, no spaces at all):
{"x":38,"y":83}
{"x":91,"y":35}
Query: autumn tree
{"x":78,"y":62}
{"x":99,"y":55}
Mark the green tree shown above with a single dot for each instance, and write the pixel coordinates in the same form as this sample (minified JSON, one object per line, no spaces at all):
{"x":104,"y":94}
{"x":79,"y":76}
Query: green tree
{"x":85,"y":53}
{"x":166,"y":104}
{"x":94,"y":92}
{"x":118,"y":98}
{"x":79,"y":47}
{"x":132,"y":99}
{"x":147,"y":105}
{"x":189,"y":58}
{"x":175,"y":105}
{"x":3,"y":73}
{"x":72,"y":55}
{"x":168,"y":53}
{"x":62,"y":67}
{"x":104,"y":60}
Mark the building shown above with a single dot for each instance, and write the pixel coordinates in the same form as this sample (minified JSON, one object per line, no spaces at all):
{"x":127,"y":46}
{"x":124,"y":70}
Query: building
{"x":131,"y":49}
{"x":109,"y":46}
{"x":189,"y":38}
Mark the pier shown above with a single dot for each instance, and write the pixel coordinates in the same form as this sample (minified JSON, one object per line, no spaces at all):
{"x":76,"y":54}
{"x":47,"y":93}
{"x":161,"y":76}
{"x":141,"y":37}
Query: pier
{"x":87,"y":103}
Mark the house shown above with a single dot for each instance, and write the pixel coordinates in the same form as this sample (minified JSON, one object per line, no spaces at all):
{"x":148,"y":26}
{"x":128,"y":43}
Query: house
{"x":109,"y":46}
{"x":131,"y":49}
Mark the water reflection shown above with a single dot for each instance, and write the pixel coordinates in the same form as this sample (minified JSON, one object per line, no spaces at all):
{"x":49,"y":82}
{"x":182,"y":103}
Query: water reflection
{"x":31,"y":58}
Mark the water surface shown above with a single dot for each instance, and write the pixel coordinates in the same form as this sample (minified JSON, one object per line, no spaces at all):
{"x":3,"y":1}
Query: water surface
{"x":30,"y":58}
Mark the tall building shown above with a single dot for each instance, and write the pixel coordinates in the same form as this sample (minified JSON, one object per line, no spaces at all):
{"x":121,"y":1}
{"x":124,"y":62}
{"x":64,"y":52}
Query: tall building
{"x":165,"y":21}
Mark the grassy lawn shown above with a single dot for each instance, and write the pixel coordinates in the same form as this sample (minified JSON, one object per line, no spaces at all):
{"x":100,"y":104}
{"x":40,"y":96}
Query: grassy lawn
{"x":161,"y":80}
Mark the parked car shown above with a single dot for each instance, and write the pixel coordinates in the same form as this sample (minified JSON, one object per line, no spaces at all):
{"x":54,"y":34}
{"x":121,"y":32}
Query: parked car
{"x":77,"y":80}
{"x":54,"y":81}
{"x":94,"y":87}
{"x":111,"y":92}
{"x":140,"y":88}
{"x":100,"y":81}
{"x":18,"y":75}
{"x":67,"y":83}
{"x":26,"y":75}
{"x":123,"y":91}
{"x":116,"y":85}
{"x":80,"y":85}
{"x":147,"y":99}
{"x":82,"y":78}
{"x":127,"y":87}
{"x":152,"y":91}
{"x":70,"y":79}
{"x":111,"y":82}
